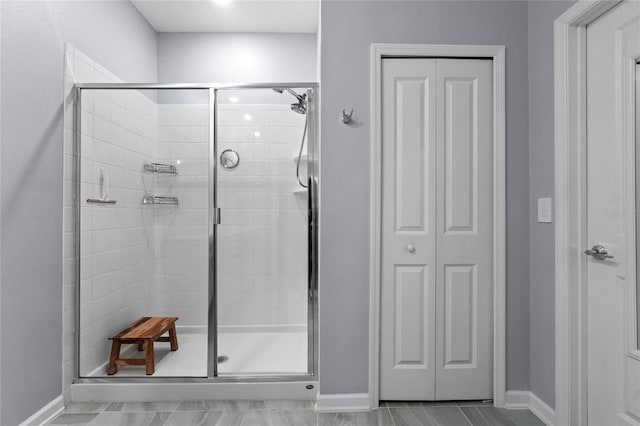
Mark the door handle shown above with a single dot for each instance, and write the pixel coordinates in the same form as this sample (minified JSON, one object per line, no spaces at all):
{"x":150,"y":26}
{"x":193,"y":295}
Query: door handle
{"x":598,"y":252}
{"x":411,"y":248}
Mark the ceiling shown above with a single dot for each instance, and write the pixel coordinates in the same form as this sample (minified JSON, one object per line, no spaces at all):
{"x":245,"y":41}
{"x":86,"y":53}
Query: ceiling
{"x":279,"y":16}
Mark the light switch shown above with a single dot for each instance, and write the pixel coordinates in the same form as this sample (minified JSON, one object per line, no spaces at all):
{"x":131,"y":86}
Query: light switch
{"x":544,"y":210}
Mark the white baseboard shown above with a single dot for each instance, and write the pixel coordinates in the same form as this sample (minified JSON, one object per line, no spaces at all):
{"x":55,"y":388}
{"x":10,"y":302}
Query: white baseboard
{"x":517,"y":399}
{"x":343,"y":402}
{"x":542,"y":410}
{"x":530,"y":401}
{"x":46,"y":413}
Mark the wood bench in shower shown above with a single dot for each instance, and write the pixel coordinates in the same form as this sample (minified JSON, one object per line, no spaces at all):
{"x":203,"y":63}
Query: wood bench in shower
{"x":143,"y":332}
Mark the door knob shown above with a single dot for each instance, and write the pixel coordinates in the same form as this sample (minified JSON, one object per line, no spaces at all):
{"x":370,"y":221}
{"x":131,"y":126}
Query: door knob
{"x":411,"y":248}
{"x":598,"y":252}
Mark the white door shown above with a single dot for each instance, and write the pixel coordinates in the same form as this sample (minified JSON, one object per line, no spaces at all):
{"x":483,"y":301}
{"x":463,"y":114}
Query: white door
{"x":437,"y":219}
{"x":613,"y":359}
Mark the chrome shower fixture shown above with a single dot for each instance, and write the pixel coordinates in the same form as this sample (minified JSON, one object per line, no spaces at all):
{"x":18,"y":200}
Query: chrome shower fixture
{"x":301,"y":106}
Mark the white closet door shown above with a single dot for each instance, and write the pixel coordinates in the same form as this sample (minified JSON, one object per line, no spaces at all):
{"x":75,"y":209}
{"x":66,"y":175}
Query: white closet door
{"x":464,"y":245}
{"x":437,"y":248}
{"x":407,"y":355}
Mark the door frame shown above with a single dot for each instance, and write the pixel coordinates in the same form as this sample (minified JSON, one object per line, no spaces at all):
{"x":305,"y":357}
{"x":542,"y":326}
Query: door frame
{"x":570,"y":44}
{"x":497,"y":55}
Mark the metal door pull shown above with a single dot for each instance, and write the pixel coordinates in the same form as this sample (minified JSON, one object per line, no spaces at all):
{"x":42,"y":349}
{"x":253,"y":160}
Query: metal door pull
{"x":598,"y":252}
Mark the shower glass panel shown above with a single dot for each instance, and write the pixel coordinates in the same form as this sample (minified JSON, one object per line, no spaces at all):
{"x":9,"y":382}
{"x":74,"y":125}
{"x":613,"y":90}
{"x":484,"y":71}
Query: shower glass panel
{"x":262,"y":237}
{"x":144,"y":211}
{"x":637,"y":211}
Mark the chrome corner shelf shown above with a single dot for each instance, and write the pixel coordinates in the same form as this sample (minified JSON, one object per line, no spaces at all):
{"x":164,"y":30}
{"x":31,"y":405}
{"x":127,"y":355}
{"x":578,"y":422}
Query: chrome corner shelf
{"x":160,"y":168}
{"x":155,"y":199}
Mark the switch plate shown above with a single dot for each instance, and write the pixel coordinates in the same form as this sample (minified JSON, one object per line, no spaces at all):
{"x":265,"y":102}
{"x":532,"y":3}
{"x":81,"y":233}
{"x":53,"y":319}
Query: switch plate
{"x":544,"y":210}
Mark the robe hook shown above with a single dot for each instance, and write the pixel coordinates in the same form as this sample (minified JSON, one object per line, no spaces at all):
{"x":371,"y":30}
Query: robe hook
{"x":346,"y":118}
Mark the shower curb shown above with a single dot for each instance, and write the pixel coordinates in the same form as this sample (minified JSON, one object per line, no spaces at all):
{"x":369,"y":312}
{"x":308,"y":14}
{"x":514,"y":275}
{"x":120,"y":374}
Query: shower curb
{"x":183,"y":391}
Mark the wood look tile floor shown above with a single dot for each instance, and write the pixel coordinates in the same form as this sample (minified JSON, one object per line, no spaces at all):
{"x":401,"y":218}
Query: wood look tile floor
{"x":290,"y":413}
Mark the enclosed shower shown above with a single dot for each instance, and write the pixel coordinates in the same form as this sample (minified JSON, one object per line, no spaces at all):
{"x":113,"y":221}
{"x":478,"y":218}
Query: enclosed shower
{"x":197,"y":202}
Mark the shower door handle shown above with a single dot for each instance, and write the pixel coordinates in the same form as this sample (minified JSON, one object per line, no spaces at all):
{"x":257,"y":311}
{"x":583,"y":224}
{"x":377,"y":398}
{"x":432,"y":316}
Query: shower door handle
{"x":216,"y":216}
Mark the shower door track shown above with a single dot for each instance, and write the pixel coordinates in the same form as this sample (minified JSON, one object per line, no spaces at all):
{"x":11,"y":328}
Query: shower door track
{"x":195,"y":86}
{"x":191,"y":379}
{"x":212,"y":339}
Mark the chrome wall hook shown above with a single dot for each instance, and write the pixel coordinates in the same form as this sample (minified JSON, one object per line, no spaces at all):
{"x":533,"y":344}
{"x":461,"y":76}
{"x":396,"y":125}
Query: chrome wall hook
{"x":346,"y":118}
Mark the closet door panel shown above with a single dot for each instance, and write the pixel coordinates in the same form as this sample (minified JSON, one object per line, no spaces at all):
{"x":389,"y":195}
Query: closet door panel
{"x":407,"y":350}
{"x":464,"y":242}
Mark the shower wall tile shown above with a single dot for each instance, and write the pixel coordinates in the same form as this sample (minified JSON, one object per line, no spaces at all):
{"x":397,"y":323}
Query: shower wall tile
{"x":182,"y":250}
{"x":263,"y":229}
{"x":69,"y":264}
{"x":262,"y":239}
{"x":118,"y":135}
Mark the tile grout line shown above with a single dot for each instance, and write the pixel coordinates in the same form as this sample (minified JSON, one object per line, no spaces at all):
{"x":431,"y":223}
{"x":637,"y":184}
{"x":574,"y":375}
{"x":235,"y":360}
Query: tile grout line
{"x":465,"y":416}
{"x":390,"y":416}
{"x":244,"y":413}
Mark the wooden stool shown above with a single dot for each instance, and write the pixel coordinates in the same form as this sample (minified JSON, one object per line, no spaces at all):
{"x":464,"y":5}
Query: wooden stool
{"x":143,"y":332}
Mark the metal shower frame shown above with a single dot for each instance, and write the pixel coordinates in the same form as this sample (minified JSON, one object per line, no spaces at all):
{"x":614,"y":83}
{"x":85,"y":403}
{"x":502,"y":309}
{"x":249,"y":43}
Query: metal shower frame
{"x":214,"y":217}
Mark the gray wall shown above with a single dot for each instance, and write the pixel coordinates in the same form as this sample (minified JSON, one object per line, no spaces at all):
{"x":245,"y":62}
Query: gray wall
{"x":0,"y":215}
{"x":32,"y":35}
{"x":236,"y":57}
{"x":541,"y":16}
{"x":348,"y":28}
{"x":32,"y":40}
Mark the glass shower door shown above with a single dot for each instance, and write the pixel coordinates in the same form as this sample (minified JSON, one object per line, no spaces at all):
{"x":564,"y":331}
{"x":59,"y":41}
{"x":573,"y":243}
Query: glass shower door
{"x":262,"y":238}
{"x":144,"y":209}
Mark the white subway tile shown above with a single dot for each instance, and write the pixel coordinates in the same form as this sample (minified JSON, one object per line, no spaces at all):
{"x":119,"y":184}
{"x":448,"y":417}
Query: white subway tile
{"x":280,"y":117}
{"x":88,"y":100}
{"x":198,"y":115}
{"x":69,"y":66}
{"x":262,"y":151}
{"x":101,"y":128}
{"x":86,"y":123}
{"x":102,"y":107}
{"x":164,"y":249}
{"x":228,"y":117}
{"x":83,"y":69}
{"x":245,"y":134}
{"x":227,"y":135}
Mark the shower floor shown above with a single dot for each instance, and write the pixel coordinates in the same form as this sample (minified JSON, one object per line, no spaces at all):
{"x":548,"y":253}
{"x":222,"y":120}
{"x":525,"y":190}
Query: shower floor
{"x":248,"y":353}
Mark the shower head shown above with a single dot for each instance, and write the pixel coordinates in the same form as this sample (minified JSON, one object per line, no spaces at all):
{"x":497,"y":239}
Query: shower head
{"x":301,"y":106}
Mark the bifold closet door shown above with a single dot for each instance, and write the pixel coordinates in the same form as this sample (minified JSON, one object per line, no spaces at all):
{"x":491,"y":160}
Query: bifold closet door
{"x":407,"y":325}
{"x":437,"y":220}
